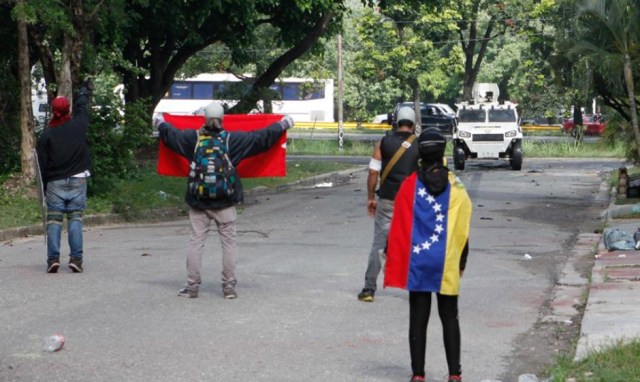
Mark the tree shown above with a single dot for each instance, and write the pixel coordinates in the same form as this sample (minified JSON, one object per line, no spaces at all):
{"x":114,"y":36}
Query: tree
{"x":26,"y":118}
{"x":481,"y":21}
{"x":610,"y":42}
{"x":396,"y":49}
{"x":153,"y":40}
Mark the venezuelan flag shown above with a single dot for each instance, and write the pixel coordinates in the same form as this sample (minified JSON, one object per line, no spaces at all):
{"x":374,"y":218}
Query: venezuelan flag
{"x":427,"y":236}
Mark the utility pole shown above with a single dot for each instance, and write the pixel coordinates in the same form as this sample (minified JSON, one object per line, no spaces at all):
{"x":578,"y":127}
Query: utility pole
{"x":340,"y":93}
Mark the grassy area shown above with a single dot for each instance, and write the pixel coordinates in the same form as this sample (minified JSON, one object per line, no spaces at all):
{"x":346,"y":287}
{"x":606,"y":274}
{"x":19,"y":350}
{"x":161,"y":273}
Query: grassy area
{"x":570,"y":148}
{"x":146,"y":191}
{"x":328,"y":147}
{"x":566,"y":148}
{"x":620,"y":362}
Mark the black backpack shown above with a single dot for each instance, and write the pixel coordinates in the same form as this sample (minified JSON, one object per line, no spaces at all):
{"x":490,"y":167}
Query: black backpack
{"x":211,"y":173}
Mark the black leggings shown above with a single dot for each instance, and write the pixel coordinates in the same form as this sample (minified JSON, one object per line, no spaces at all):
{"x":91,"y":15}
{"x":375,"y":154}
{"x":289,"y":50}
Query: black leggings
{"x":419,"y":311}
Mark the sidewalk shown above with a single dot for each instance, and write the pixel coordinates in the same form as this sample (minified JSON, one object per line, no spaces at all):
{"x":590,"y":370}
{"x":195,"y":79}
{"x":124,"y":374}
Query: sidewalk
{"x":613,"y":305}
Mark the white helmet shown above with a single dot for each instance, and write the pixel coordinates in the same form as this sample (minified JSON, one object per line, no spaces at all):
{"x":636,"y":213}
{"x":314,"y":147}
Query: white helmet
{"x":406,"y":115}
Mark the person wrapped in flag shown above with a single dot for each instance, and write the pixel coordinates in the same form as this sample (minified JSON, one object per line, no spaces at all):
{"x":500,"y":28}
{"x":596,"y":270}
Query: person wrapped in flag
{"x":427,"y":250}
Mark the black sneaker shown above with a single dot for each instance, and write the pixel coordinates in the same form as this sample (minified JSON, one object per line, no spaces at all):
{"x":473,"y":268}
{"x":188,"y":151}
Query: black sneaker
{"x":367,"y":295}
{"x":75,"y":265}
{"x":188,"y":293}
{"x":229,"y":293}
{"x":53,"y":265}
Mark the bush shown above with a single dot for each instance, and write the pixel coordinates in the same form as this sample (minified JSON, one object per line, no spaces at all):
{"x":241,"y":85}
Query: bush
{"x":114,"y":139}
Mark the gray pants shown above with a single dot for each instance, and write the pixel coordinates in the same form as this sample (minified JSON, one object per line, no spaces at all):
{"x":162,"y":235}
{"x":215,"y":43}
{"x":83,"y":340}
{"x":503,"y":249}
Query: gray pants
{"x":382,"y":221}
{"x":225,"y":220}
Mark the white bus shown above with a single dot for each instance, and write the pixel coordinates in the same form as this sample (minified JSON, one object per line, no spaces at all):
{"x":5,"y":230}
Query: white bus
{"x":304,"y":99}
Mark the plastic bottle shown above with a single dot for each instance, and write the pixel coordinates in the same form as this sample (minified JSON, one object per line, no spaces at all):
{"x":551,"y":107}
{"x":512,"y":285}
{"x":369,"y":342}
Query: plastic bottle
{"x":53,"y":343}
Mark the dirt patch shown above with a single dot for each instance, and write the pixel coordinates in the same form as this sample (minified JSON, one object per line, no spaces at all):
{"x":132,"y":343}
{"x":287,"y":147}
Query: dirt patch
{"x":16,"y":185}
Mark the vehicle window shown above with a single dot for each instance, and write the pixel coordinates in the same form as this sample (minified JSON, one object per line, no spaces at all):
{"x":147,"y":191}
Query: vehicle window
{"x":471,"y":115}
{"x":448,"y":109}
{"x":502,"y":115}
{"x":202,"y":91}
{"x":180,"y":91}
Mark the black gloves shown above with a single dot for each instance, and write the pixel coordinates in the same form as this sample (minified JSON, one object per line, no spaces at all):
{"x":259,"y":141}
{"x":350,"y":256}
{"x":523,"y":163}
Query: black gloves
{"x":86,"y":88}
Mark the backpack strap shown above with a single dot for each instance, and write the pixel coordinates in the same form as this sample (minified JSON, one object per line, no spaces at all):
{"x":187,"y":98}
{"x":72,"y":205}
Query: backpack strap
{"x":225,"y":135}
{"x":195,"y":149}
{"x":403,"y":147}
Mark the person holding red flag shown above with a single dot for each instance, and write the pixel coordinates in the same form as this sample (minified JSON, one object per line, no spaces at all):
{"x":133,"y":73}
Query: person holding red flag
{"x":427,"y":250}
{"x":221,"y":210}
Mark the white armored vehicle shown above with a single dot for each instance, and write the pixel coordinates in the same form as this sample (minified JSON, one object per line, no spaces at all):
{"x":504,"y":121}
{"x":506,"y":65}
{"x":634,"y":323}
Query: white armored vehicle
{"x":487,"y":129}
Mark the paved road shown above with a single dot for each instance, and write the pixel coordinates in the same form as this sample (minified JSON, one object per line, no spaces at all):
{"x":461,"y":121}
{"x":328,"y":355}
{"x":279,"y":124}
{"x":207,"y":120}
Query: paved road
{"x":301,"y":264}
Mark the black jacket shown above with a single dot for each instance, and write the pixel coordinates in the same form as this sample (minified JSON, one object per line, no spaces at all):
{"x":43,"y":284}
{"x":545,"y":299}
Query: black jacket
{"x":63,"y":150}
{"x":241,"y":145}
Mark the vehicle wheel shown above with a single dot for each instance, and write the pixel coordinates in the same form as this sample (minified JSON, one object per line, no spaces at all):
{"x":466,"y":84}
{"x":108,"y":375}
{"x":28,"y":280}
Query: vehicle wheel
{"x":458,"y":159}
{"x":516,"y":159}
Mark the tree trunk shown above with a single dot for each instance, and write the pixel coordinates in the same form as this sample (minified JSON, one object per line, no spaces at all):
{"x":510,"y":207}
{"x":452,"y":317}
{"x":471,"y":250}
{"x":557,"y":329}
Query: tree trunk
{"x":27,"y":143}
{"x":416,"y":105}
{"x":65,"y":86}
{"x":628,"y":78}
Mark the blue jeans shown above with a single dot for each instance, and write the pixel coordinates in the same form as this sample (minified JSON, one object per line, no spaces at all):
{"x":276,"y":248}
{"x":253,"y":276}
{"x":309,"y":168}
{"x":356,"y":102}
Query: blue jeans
{"x":65,"y":196}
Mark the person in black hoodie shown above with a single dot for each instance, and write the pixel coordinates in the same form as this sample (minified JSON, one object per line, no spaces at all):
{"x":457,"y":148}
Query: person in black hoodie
{"x":202,"y":212}
{"x":65,"y":163}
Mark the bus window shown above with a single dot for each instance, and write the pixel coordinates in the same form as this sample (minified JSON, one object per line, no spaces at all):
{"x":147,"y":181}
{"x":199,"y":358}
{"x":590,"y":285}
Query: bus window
{"x":180,"y":90}
{"x":311,"y":91}
{"x":202,"y":91}
{"x":291,"y":92}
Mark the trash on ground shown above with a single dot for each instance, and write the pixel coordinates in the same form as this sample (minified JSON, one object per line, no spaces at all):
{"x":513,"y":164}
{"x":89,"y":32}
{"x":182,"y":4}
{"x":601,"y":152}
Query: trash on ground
{"x":53,"y":343}
{"x":325,"y":184}
{"x":617,"y":239}
{"x":527,"y":256}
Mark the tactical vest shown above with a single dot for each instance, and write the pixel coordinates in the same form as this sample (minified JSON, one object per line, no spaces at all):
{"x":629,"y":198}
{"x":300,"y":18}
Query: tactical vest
{"x":407,"y":164}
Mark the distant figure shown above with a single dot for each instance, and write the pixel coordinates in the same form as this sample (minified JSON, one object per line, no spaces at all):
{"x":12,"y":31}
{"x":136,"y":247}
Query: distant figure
{"x":577,"y":121}
{"x":205,"y":209}
{"x":65,"y":163}
{"x":395,"y":156}
{"x":427,"y":250}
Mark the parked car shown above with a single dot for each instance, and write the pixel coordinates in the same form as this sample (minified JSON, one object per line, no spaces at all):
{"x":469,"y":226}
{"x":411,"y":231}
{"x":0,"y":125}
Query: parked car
{"x":593,"y":125}
{"x":381,"y":118}
{"x":437,"y":115}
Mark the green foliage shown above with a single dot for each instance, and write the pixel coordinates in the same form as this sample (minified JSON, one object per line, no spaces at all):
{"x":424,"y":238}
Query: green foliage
{"x":329,"y":147}
{"x":619,"y":362}
{"x":9,"y":102}
{"x":393,"y":52}
{"x":114,"y":141}
{"x":570,"y":148}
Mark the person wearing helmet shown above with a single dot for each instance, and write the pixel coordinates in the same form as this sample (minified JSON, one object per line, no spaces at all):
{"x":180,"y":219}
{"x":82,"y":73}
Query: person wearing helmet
{"x":427,"y":250}
{"x":394,"y":157}
{"x":222,"y":212}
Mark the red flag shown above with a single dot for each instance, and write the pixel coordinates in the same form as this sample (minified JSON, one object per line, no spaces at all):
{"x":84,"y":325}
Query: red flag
{"x":267,"y":164}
